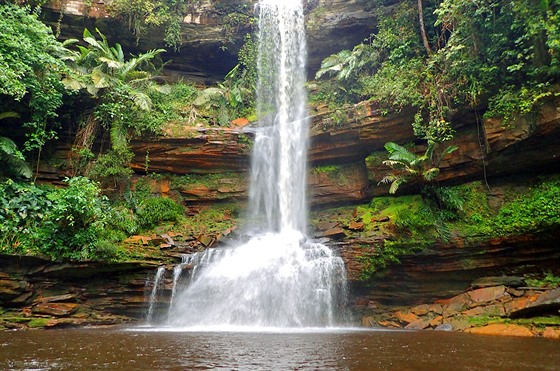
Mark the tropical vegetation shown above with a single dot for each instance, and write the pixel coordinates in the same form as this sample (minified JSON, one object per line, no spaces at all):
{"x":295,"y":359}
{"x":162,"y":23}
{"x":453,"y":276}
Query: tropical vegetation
{"x":495,"y":57}
{"x":498,"y":57}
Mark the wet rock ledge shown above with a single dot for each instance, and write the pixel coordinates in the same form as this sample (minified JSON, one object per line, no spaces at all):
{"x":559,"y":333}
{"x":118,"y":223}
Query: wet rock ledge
{"x":40,"y":293}
{"x":504,"y":306}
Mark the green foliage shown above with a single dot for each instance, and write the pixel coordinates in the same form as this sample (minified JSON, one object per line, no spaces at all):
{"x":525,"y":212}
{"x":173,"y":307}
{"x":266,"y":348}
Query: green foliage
{"x":536,"y":211}
{"x":496,"y":52}
{"x":237,"y":98}
{"x":406,"y":165}
{"x":153,"y":210}
{"x":147,"y":15}
{"x":236,"y":19}
{"x":112,"y":169}
{"x":549,"y":280}
{"x":12,"y":161}
{"x":121,"y":92}
{"x":377,"y":258}
{"x":416,"y":222}
{"x":212,"y":220}
{"x":31,"y":68}
{"x":74,"y":222}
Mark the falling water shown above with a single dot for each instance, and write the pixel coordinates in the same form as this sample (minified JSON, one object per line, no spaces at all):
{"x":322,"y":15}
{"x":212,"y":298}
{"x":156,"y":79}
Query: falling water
{"x":279,"y":278}
{"x":156,"y":285}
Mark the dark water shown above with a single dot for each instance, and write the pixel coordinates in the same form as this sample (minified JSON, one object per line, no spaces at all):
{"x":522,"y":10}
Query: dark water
{"x":88,"y":349}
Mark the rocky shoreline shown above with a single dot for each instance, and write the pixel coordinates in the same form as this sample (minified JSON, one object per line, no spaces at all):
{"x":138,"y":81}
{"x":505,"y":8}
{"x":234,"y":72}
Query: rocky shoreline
{"x":501,"y":307}
{"x":38,"y":294}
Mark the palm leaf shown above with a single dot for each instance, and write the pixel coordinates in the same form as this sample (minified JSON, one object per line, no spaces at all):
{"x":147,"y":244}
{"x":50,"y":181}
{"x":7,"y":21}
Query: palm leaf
{"x":399,"y":153}
{"x":7,"y":147}
{"x":9,"y":115}
{"x":111,"y":63}
{"x":449,"y":150}
{"x":431,"y":174}
{"x":141,"y":100}
{"x":13,"y":159}
{"x":396,"y":184}
{"x":118,"y":134}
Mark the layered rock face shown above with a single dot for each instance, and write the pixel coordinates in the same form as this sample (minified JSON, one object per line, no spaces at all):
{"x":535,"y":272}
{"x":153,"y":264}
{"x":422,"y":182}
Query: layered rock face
{"x":485,"y":149}
{"x":67,"y":294}
{"x":205,"y":55}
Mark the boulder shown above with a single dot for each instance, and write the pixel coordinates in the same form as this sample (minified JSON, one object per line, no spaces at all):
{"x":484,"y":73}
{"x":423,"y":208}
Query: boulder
{"x":419,"y":324}
{"x":486,"y":295}
{"x":334,"y":233}
{"x":55,"y":309}
{"x":545,"y":303}
{"x":406,"y":317}
{"x":444,"y":327}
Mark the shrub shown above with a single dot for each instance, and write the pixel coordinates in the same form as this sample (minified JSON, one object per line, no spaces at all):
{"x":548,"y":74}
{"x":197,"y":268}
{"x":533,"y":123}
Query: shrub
{"x":154,"y":210}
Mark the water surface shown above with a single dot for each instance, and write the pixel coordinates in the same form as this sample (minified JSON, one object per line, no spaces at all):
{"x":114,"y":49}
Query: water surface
{"x":151,"y":349}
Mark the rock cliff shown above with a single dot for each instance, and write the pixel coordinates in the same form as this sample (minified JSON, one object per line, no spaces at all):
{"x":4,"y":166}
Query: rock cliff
{"x":207,"y":53}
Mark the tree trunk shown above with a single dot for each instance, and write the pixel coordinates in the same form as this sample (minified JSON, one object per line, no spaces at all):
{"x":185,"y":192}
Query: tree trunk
{"x":423,"y":28}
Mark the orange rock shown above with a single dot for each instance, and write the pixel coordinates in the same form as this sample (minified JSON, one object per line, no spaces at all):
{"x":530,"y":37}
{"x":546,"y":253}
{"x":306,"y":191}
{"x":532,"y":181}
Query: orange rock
{"x":419,"y":324}
{"x":389,"y":324}
{"x":420,"y":310}
{"x":356,"y":226}
{"x":551,"y":333}
{"x":368,"y":321}
{"x":241,"y":122}
{"x":516,"y":305}
{"x":436,"y":321}
{"x":55,"y":309}
{"x":141,"y":240}
{"x":406,"y":316}
{"x":501,"y":329}
{"x":487,"y":294}
{"x":488,"y":310}
{"x":164,"y":187}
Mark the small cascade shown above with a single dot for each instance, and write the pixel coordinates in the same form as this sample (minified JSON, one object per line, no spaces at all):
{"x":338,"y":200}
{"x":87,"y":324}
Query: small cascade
{"x":177,"y":271}
{"x":154,"y":295}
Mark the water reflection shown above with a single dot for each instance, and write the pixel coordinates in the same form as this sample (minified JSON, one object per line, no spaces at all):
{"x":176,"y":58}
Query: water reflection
{"x":314,"y":350}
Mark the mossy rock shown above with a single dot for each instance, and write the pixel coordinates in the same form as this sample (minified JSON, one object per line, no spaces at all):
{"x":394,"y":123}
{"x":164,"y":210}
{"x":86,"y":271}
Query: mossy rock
{"x":38,"y":322}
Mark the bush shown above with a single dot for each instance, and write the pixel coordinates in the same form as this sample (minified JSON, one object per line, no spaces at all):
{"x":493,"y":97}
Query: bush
{"x":155,"y":210}
{"x":75,"y":222}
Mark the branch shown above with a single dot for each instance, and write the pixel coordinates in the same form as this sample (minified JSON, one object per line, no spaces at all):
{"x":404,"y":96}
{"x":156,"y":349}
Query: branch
{"x":423,"y":28}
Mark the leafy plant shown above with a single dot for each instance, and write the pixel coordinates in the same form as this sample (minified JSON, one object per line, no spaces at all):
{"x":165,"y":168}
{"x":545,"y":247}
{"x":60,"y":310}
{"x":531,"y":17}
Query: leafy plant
{"x":122,"y":90}
{"x":32,"y":69}
{"x":467,"y":53}
{"x":145,"y":15}
{"x":155,"y":210}
{"x":73,"y":222}
{"x":407,"y":166}
{"x":12,"y":161}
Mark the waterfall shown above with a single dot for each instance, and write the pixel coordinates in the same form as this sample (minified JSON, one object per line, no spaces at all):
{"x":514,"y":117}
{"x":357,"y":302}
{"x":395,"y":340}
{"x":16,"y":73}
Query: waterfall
{"x":278,"y":173}
{"x":156,"y":285}
{"x":279,"y":278}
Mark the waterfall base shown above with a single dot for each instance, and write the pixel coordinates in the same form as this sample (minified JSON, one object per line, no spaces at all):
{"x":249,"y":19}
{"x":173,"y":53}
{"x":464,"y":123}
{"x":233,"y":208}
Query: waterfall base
{"x":276,"y":280}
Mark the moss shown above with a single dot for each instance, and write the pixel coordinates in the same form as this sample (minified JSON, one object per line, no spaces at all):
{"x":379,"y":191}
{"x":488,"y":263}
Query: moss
{"x":212,"y":220}
{"x":377,"y":257}
{"x":540,"y":322}
{"x":206,"y":180}
{"x":38,"y":322}
{"x":15,"y":319}
{"x":483,"y":320}
{"x":410,"y":223}
{"x":336,"y":173}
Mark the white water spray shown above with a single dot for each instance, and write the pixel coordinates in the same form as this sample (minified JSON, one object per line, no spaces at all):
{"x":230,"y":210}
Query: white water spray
{"x":278,"y":279}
